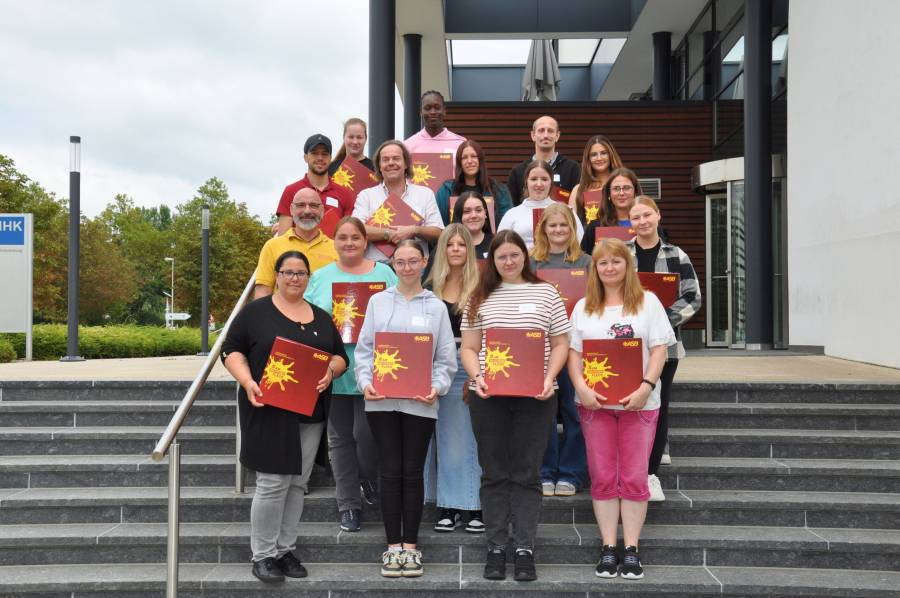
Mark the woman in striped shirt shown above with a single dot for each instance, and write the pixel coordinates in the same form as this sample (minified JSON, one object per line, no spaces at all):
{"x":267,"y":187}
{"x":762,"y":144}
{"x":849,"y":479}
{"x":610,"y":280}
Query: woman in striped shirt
{"x":512,"y":431}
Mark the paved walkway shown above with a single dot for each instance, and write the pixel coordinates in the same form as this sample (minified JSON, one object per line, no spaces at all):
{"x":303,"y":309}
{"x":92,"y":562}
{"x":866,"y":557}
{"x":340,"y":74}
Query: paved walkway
{"x":694,"y":368}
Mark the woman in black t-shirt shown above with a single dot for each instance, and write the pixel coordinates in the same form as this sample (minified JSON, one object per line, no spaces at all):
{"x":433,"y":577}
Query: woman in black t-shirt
{"x":279,"y":445}
{"x":472,"y":212}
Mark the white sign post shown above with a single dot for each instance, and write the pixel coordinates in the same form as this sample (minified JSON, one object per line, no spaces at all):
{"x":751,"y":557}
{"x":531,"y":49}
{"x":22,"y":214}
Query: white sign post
{"x":16,"y":266}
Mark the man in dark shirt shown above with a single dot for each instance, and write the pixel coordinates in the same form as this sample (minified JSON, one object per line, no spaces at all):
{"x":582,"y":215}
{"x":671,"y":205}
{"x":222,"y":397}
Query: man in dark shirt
{"x":566,"y":172}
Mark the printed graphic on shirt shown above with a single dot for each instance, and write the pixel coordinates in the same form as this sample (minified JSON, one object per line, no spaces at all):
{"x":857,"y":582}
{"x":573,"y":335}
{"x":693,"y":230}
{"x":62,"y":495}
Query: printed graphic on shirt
{"x":622,"y":331}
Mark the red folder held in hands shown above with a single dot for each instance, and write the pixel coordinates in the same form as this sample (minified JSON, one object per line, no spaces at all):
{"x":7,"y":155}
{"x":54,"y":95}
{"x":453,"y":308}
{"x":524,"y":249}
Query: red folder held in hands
{"x":292,"y":372}
{"x":401,"y":368}
{"x":664,"y":285}
{"x":393,"y":212}
{"x":514,"y":361}
{"x":349,"y":301}
{"x":431,"y":170}
{"x":613,"y":368}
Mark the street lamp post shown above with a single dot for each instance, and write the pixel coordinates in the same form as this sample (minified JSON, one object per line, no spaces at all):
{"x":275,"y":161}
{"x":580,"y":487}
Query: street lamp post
{"x":74,"y":243}
{"x":204,"y":283}
{"x":172,"y":291}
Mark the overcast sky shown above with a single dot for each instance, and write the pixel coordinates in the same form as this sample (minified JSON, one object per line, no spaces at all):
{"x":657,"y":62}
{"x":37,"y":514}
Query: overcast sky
{"x":166,"y":94}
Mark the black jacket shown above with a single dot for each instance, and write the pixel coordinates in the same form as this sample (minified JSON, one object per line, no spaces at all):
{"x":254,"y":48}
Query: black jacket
{"x":569,"y":172}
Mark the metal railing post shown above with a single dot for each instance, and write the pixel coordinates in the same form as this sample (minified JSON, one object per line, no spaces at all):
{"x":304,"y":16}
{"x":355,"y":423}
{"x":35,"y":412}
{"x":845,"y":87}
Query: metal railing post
{"x":238,"y":468}
{"x":172,"y":535}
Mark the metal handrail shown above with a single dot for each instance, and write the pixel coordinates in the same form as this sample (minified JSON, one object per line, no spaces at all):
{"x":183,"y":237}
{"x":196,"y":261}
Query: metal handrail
{"x":167,"y":444}
{"x":168,"y":436}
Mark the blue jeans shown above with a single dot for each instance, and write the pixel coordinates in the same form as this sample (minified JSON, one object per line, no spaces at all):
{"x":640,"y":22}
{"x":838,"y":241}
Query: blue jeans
{"x":565,"y":459}
{"x":454,"y":475}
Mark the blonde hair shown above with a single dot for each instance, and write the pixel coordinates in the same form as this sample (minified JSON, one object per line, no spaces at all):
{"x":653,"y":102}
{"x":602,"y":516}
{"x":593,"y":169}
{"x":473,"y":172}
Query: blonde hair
{"x":342,"y":153}
{"x":632,"y":292}
{"x":440,"y":269}
{"x":645,"y":200}
{"x":541,"y":250}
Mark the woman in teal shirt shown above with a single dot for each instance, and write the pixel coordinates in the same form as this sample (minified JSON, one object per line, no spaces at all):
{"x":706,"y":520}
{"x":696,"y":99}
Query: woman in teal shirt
{"x":472,"y":175}
{"x":350,"y":443}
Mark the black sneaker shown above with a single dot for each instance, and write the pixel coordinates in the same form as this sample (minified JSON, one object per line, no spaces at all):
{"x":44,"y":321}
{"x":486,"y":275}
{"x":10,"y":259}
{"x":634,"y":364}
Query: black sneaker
{"x":631,"y":564}
{"x":350,"y":520}
{"x":476,"y":523}
{"x":369,"y":492}
{"x":609,"y":562}
{"x":291,"y":566}
{"x":267,"y":570}
{"x":495,"y":566}
{"x":524,"y":566}
{"x":449,"y":520}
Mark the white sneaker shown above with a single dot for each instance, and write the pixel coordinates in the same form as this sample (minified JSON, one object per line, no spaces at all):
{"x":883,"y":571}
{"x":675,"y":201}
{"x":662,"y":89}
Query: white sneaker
{"x":665,"y":459}
{"x":548,"y":488}
{"x":656,"y":491}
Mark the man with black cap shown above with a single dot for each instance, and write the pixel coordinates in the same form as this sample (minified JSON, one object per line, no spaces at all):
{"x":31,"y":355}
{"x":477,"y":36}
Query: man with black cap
{"x":337,"y":201}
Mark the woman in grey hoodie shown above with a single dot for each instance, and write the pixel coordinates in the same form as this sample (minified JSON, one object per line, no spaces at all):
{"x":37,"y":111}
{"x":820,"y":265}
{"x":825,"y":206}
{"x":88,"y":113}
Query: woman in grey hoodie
{"x":403,"y":427}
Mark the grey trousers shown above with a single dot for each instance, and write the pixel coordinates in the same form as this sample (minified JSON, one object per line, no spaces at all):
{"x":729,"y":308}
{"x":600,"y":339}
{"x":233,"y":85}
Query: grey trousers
{"x":351,"y":449}
{"x":512,"y":436}
{"x":278,"y":503}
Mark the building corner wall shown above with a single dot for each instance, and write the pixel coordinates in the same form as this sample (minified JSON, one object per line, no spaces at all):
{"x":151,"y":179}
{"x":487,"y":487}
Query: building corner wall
{"x":844,"y":179}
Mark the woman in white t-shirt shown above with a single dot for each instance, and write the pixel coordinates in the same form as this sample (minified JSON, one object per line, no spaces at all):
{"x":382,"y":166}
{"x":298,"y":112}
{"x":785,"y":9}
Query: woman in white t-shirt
{"x":619,"y":436}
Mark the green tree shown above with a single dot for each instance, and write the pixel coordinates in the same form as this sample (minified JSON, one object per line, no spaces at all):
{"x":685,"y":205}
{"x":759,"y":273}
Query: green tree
{"x":235,"y":239}
{"x":106,"y":278}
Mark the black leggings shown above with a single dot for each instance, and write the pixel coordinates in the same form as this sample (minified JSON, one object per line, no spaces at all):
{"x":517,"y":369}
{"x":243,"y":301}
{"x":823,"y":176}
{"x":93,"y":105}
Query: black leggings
{"x":662,"y":422}
{"x":402,"y":440}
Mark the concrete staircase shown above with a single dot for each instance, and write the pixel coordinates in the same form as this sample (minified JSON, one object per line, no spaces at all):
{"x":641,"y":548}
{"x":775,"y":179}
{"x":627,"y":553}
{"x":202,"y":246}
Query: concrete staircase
{"x":777,"y":490}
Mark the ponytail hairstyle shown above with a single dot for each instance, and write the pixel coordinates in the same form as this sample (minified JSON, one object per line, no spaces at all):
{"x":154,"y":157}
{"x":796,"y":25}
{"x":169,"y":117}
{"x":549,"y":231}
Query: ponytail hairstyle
{"x":342,"y":152}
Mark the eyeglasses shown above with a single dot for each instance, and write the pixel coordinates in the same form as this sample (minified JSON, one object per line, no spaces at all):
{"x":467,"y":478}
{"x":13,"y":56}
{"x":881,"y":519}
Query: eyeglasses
{"x":402,"y":264}
{"x":623,"y":189}
{"x":307,"y":206}
{"x":291,"y":275}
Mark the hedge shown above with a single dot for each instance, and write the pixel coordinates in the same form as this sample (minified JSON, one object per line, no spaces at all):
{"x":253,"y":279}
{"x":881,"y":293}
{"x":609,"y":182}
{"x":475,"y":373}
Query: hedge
{"x":7,"y":351}
{"x":104,"y":342}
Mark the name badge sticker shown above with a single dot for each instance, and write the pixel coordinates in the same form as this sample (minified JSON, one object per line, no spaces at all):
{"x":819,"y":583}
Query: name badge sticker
{"x":419,"y":321}
{"x":331,"y":201}
{"x":527,"y":308}
{"x":555,"y":177}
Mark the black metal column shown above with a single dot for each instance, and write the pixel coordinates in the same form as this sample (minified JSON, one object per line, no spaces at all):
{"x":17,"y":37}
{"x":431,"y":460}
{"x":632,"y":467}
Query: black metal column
{"x":204,"y":280}
{"x":712,"y":65}
{"x":758,"y":172}
{"x":412,"y":83}
{"x":382,"y":18}
{"x":662,"y":65}
{"x":74,"y":248}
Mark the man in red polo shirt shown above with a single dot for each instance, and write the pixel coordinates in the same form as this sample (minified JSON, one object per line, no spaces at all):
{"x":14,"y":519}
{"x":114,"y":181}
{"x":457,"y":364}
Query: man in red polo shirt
{"x":338,"y":202}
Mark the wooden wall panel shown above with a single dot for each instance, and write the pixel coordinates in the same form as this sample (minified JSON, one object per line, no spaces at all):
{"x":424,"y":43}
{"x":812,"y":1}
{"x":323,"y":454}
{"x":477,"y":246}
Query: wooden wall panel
{"x":655,"y":139}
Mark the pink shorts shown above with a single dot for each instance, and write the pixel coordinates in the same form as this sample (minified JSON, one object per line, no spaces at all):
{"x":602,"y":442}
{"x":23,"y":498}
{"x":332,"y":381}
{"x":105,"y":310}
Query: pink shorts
{"x":618,"y":444}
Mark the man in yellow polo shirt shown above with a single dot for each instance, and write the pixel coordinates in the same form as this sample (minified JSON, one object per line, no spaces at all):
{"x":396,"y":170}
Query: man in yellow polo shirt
{"x":307,"y":211}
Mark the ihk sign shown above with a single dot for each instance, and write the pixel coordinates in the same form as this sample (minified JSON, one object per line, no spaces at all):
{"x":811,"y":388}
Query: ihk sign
{"x":16,"y":258}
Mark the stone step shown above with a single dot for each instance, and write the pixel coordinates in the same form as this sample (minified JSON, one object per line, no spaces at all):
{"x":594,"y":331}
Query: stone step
{"x":696,"y":473}
{"x":824,"y":548}
{"x":112,"y":390}
{"x":813,"y":416}
{"x":834,"y":475}
{"x":780,"y":392}
{"x":69,"y":471}
{"x":785,"y":443}
{"x":103,"y":440}
{"x":112,"y":413}
{"x":682,"y":507}
{"x":343,"y":579}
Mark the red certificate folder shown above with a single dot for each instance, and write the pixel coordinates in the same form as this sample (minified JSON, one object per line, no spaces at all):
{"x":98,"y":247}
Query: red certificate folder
{"x":431,"y":170}
{"x":292,"y":371}
{"x":514,"y":361}
{"x":559,"y":194}
{"x":352,"y":175}
{"x":626,"y":233}
{"x":613,"y":367}
{"x":664,"y":285}
{"x":393,"y":212}
{"x":592,"y":201}
{"x":571,"y":283}
{"x":348,"y":306}
{"x":401,"y":367}
{"x":488,"y":199}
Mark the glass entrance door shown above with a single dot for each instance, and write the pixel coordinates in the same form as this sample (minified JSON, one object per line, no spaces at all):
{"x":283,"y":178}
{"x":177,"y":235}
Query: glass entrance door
{"x":718,"y":273}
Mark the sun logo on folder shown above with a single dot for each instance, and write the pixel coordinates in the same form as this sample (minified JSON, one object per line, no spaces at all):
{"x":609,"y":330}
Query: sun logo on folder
{"x":278,"y":372}
{"x":596,"y":371}
{"x":383,"y":216}
{"x":343,"y":178}
{"x":496,"y":361}
{"x":344,"y":311}
{"x":386,"y":363}
{"x":421,"y":173}
{"x":591,"y":213}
